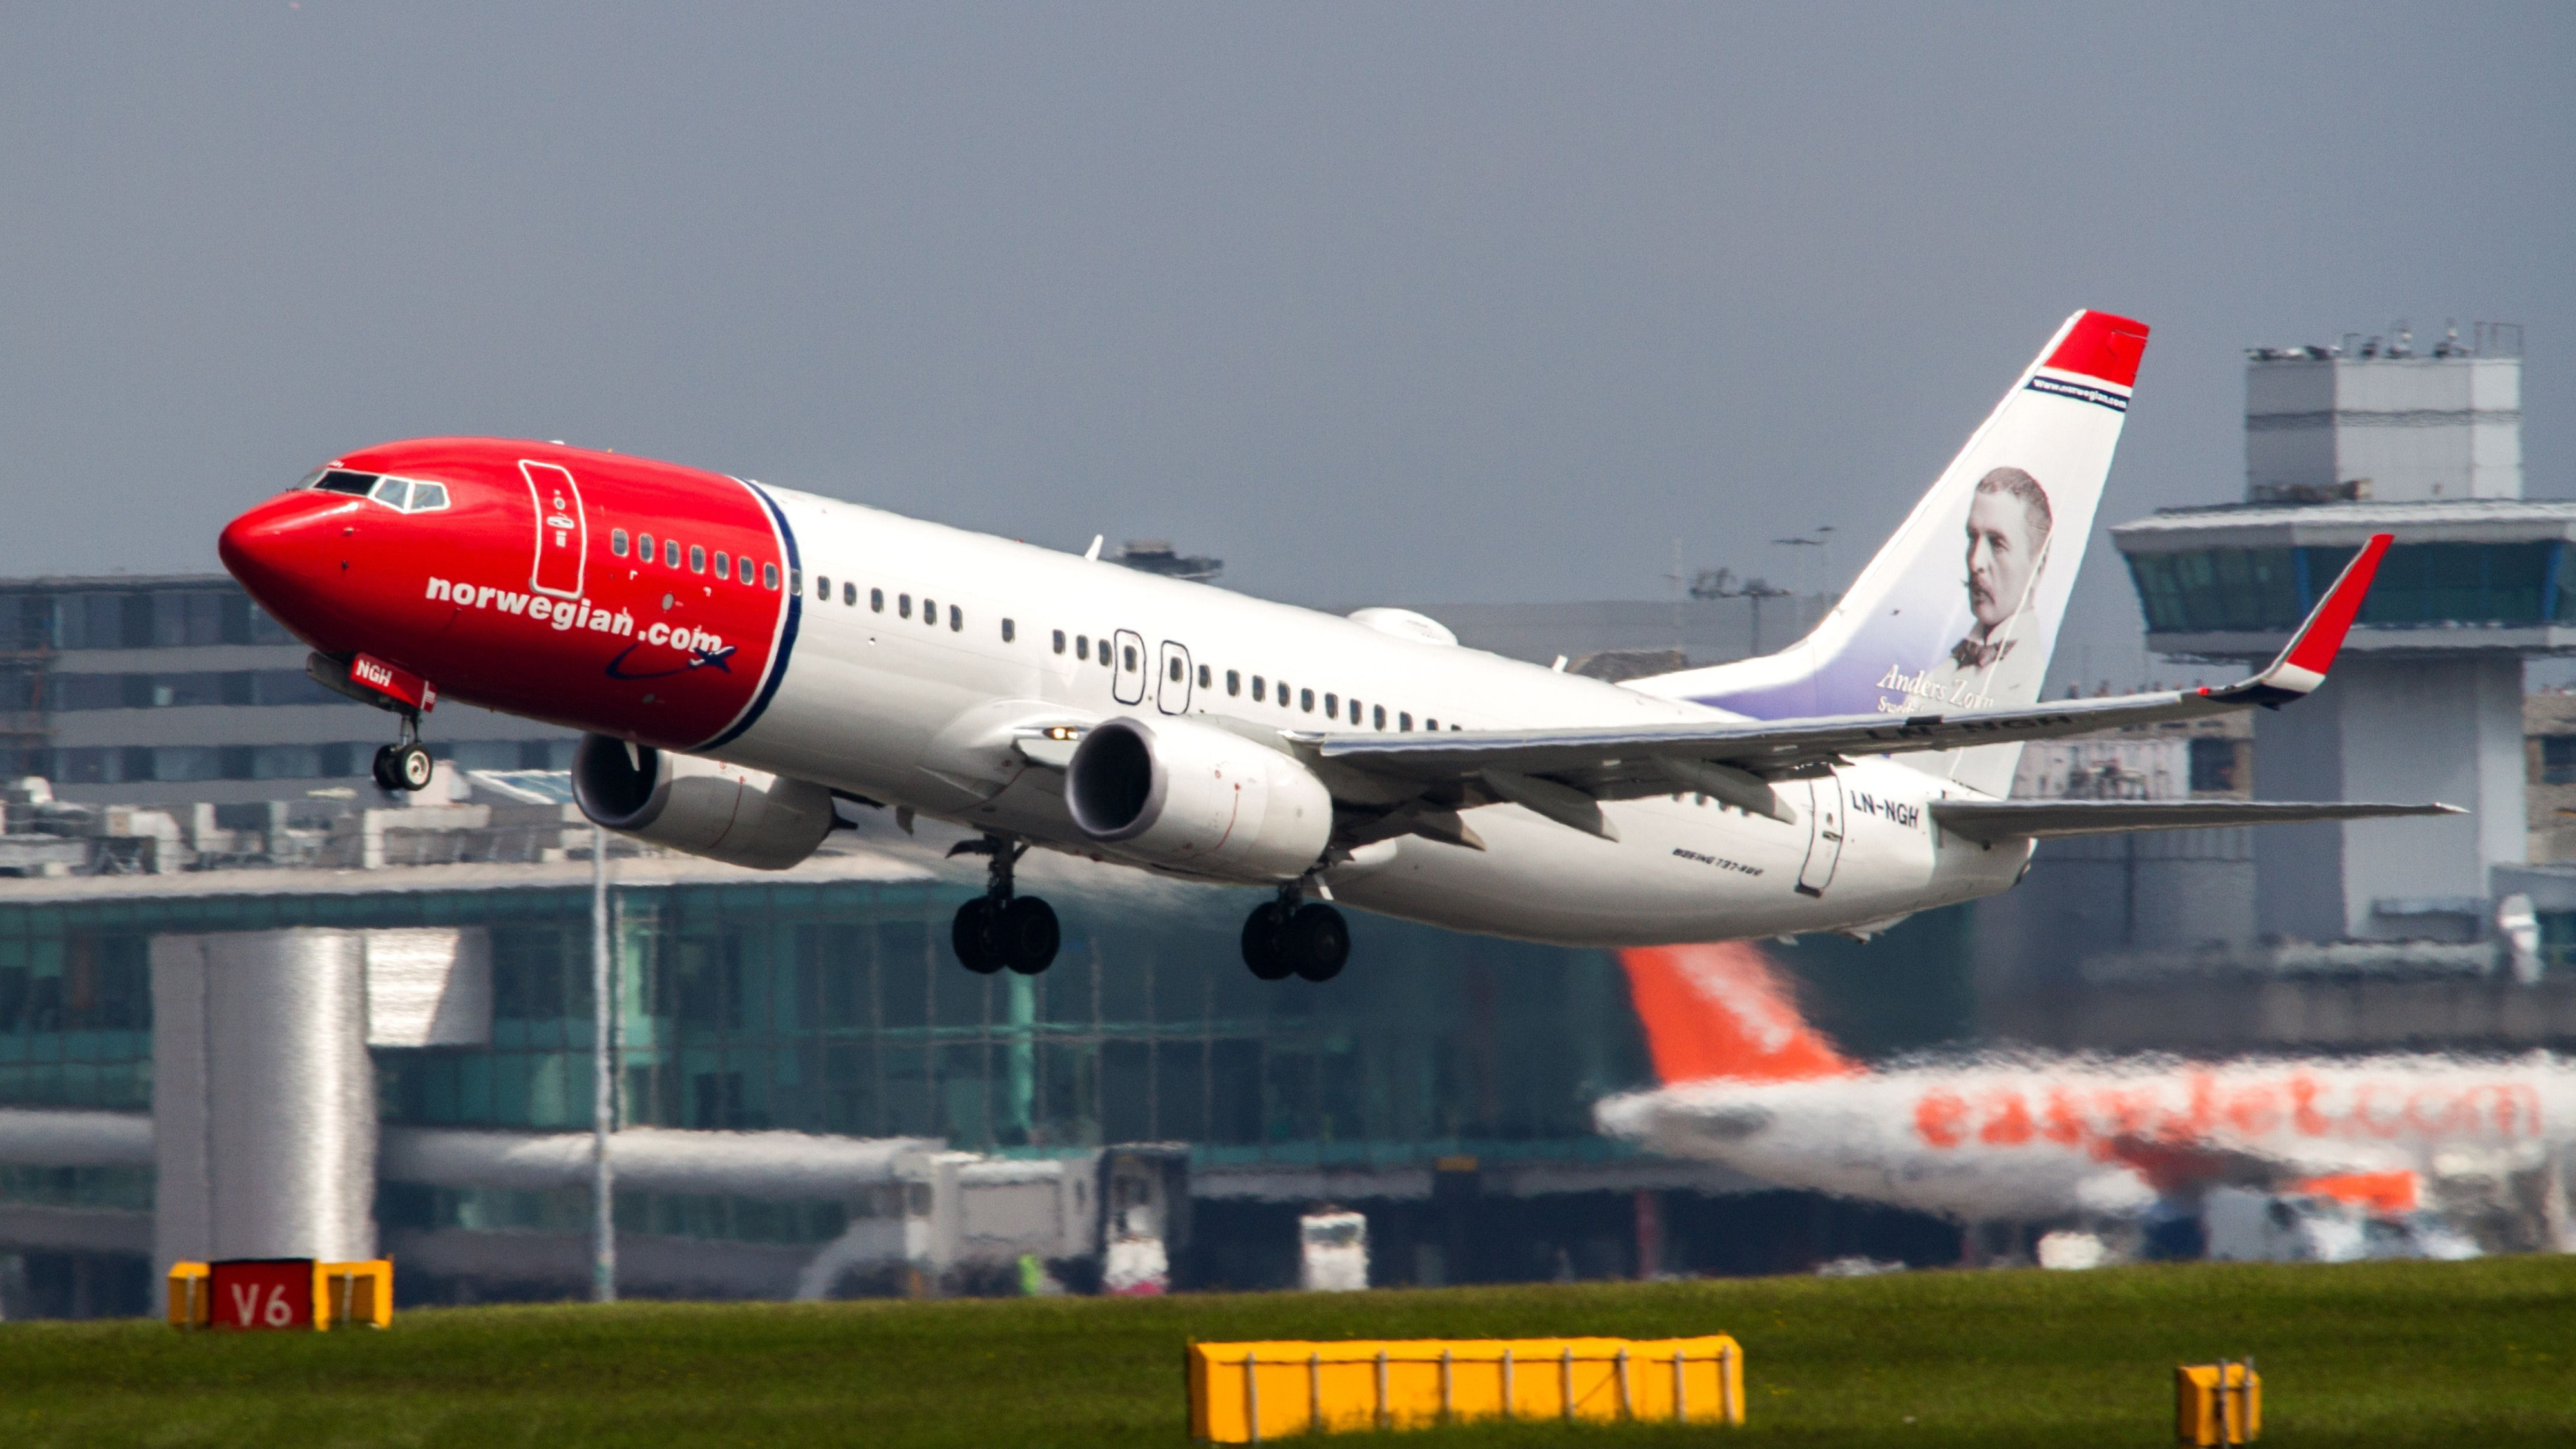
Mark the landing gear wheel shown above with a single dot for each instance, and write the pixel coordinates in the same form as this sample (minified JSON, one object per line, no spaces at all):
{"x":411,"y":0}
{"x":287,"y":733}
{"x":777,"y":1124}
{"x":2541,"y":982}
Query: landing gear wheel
{"x":1316,"y":943}
{"x":1264,"y":941}
{"x":405,"y":767}
{"x":975,"y":938}
{"x":1025,"y":929}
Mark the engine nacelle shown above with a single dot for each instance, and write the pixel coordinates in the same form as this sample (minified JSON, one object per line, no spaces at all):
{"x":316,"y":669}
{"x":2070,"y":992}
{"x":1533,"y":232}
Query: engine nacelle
{"x":1195,"y":797}
{"x":723,"y":812}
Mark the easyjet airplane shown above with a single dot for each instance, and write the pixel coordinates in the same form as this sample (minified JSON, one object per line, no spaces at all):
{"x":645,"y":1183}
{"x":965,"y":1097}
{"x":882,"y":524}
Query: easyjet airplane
{"x":2032,"y":1136}
{"x":742,"y":656}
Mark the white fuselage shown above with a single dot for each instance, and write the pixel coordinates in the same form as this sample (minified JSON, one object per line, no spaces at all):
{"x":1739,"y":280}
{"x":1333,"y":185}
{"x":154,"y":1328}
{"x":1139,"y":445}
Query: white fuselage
{"x":2039,"y":1139}
{"x":917,"y":714}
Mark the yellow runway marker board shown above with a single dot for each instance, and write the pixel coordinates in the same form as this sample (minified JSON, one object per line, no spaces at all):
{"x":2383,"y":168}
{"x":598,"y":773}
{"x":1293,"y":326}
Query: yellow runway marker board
{"x":1244,"y":1393}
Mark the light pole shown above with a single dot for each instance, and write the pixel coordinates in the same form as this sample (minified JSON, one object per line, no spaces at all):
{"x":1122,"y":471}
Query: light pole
{"x":603,"y":1082}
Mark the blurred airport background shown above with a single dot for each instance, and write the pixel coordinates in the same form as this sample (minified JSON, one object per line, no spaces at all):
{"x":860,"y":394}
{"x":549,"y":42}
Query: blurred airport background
{"x":250,"y":1003}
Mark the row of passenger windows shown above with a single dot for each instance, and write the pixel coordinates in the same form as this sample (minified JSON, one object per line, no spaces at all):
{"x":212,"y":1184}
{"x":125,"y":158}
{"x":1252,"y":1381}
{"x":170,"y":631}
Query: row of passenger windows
{"x":903,"y":606}
{"x":727,"y":567}
{"x":1263,"y":690}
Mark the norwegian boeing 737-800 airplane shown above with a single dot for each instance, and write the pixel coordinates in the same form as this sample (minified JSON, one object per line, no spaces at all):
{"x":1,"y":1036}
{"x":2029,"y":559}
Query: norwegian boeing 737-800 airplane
{"x":740,"y":656}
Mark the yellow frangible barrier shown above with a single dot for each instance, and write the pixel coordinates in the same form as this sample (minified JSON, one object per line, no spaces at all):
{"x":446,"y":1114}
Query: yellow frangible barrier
{"x":359,"y":1293}
{"x":1244,"y":1393}
{"x":191,"y":1306}
{"x":2217,"y":1403}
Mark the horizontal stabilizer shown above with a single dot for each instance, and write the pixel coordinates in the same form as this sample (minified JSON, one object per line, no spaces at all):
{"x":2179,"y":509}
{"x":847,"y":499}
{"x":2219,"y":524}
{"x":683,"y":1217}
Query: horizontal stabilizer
{"x":1993,"y":820}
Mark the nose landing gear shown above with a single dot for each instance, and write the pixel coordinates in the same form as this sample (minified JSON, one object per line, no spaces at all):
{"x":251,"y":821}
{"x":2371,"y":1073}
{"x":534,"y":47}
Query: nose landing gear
{"x":1000,"y":928}
{"x":405,"y":765}
{"x":1283,"y":938}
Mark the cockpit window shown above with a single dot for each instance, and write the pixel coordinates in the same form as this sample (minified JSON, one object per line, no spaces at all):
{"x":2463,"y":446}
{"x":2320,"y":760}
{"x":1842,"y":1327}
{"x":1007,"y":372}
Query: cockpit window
{"x":393,"y":492}
{"x":341,"y":480}
{"x":428,"y":496}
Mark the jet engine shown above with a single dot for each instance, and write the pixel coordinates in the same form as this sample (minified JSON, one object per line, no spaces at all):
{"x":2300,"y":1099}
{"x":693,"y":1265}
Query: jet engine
{"x":723,"y":812}
{"x":1197,"y":798}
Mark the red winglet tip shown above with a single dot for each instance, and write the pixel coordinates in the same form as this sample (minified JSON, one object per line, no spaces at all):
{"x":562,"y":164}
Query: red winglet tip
{"x":2317,"y":648}
{"x":2102,"y":346}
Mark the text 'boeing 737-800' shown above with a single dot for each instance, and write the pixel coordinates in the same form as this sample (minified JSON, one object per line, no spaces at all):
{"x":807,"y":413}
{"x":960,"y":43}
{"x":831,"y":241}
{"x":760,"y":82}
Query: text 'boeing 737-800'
{"x":740,"y":657}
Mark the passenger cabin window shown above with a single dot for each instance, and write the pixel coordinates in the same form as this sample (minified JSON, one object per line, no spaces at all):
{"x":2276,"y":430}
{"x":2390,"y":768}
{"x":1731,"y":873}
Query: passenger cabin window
{"x":1082,"y":647}
{"x":1175,"y":670}
{"x":1431,"y":724}
{"x":644,"y":547}
{"x":742,"y":569}
{"x":1127,"y":653}
{"x":1233,"y":682}
{"x":956,"y":619}
{"x":724,"y":565}
{"x":1333,"y":707}
{"x":697,"y":558}
{"x":769,"y":578}
{"x":617,"y":542}
{"x":876,"y":601}
{"x":1059,"y":641}
{"x":1404,"y":723}
{"x":1377,"y":717}
{"x":930,"y":612}
{"x":1203,"y":676}
{"x":822,"y":588}
{"x":670,"y":553}
{"x":1256,"y":689}
{"x":849,"y":594}
{"x":1010,"y":631}
{"x":1306,"y":700}
{"x":903,"y":605}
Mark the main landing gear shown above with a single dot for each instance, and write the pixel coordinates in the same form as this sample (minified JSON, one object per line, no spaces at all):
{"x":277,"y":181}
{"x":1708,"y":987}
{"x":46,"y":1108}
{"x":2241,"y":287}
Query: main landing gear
{"x":998,"y":928}
{"x":405,"y":765}
{"x":1284,"y":938}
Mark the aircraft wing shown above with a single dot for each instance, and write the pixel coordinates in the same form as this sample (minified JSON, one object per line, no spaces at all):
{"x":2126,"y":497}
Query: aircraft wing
{"x":1993,"y":820}
{"x":1563,"y":773}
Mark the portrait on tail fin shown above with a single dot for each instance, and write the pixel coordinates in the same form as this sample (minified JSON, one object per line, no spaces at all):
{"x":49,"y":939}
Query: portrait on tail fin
{"x":2008,"y":528}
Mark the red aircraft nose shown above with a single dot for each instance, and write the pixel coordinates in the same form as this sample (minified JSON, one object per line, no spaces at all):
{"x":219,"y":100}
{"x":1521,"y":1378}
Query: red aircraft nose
{"x":283,"y":551}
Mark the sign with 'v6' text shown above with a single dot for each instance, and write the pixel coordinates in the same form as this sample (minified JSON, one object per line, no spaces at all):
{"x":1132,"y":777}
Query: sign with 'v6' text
{"x":260,"y":1293}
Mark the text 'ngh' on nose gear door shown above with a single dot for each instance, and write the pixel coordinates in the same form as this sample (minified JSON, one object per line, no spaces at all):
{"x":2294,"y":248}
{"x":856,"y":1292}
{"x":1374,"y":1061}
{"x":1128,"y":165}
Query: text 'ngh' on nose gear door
{"x":1172,"y":682}
{"x":1127,"y":668}
{"x":563,"y":540}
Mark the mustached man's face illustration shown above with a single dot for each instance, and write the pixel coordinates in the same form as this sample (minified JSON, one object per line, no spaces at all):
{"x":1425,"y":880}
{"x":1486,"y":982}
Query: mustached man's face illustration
{"x":2004,"y":543}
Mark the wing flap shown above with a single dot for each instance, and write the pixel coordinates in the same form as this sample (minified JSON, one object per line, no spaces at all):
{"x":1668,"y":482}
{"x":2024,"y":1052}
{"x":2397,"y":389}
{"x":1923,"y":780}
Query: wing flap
{"x":1992,"y":820}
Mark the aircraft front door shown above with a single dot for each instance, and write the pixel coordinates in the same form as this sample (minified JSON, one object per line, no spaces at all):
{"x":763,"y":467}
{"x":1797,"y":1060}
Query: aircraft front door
{"x":1127,"y":668}
{"x":1824,"y":835}
{"x":563,"y":538}
{"x":1172,"y":680}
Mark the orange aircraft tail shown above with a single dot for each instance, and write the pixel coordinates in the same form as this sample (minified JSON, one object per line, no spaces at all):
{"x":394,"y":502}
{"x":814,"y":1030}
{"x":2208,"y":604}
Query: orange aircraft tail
{"x":1721,"y":1010}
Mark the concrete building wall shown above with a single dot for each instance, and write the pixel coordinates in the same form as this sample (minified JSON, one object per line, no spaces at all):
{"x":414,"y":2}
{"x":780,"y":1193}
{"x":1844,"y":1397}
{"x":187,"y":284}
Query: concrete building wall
{"x":2395,"y":728}
{"x":2419,"y":428}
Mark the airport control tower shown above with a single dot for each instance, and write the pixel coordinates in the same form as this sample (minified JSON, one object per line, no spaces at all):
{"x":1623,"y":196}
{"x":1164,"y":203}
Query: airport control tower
{"x":2341,"y":442}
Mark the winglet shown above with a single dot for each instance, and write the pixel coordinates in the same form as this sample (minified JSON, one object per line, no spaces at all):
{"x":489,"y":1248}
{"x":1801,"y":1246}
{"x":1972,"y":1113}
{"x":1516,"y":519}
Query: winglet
{"x":2311,"y":652}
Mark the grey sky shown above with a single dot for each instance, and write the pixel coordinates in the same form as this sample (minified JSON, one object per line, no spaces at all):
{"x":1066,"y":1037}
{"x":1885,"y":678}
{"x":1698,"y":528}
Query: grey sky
{"x":1401,"y":302}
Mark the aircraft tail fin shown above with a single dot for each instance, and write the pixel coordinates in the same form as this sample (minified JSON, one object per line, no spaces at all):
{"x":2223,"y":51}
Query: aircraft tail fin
{"x":1721,"y":1011}
{"x":1959,"y":610}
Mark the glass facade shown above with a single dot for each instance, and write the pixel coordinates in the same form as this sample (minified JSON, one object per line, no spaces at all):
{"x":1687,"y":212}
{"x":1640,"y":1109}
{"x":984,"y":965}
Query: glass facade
{"x":836,"y":1007}
{"x":2269,"y":590}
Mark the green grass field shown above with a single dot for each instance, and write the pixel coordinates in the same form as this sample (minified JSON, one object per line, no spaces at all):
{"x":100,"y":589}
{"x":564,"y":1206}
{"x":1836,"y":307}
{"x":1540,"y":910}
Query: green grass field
{"x":2477,"y":1353}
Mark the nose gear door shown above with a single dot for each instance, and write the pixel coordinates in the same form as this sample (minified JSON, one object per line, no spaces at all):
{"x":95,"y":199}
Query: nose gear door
{"x":1825,"y":834}
{"x":1127,"y":668}
{"x":1172,"y":684}
{"x":563,"y":541}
